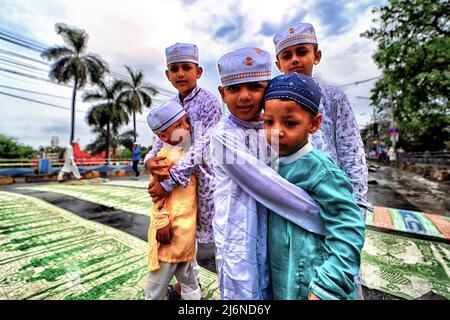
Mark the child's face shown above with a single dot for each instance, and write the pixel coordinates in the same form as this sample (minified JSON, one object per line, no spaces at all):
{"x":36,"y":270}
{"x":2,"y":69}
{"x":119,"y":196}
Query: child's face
{"x":290,"y":123}
{"x":244,"y":100}
{"x":177,"y":132}
{"x":183,"y":76}
{"x":299,"y":59}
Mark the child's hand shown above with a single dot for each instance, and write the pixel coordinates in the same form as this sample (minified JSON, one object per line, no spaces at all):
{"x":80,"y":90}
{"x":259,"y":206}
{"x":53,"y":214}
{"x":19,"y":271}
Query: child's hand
{"x":158,"y":168}
{"x":156,"y":191}
{"x":312,"y":296}
{"x":164,"y":235}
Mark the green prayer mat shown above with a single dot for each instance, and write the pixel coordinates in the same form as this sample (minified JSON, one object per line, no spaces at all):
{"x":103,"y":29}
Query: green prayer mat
{"x":405,"y":267}
{"x":49,"y":253}
{"x":132,"y":200}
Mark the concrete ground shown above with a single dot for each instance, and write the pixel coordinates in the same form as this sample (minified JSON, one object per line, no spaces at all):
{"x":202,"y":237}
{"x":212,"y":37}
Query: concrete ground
{"x":388,"y":187}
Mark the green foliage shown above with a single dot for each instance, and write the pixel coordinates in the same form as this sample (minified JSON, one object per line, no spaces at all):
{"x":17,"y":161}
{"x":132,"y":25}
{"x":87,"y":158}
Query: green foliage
{"x":10,"y":149}
{"x":413,"y":53}
{"x":136,"y":94}
{"x":71,"y":63}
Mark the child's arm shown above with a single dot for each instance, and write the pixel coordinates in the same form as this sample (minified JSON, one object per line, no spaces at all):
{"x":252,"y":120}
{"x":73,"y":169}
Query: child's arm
{"x":344,"y":225}
{"x":180,"y":174}
{"x":263,"y":184}
{"x":350,"y":148}
{"x":160,"y":221}
{"x":157,"y":146}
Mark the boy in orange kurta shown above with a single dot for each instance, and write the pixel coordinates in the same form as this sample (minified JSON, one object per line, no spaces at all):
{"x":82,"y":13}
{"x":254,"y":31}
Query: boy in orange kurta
{"x":171,"y":234}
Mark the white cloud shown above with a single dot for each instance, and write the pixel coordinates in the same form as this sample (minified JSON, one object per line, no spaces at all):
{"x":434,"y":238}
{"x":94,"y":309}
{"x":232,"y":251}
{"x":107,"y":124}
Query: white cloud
{"x":136,"y":32}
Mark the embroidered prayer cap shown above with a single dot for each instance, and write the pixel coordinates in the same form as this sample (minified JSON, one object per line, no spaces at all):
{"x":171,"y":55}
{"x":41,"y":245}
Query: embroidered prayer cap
{"x":245,"y":65}
{"x":162,"y":117}
{"x":299,"y":33}
{"x":182,"y":52}
{"x":297,"y":87}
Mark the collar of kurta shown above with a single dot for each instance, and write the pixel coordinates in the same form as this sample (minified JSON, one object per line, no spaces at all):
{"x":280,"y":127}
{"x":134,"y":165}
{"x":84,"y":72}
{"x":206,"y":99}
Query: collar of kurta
{"x":297,"y":155}
{"x":189,"y":97}
{"x":246,"y":124}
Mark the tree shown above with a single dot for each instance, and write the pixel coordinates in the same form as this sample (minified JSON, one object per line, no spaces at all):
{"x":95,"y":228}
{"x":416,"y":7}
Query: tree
{"x":10,"y":149}
{"x":72,"y":64}
{"x":109,"y":113}
{"x":136,"y":94}
{"x":413,"y":53}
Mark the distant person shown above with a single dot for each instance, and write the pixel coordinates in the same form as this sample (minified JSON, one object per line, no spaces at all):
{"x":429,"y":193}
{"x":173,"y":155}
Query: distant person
{"x":306,"y":265}
{"x":136,"y":158}
{"x":391,"y":155}
{"x":69,"y":165}
{"x":171,"y":234}
{"x":297,"y":51}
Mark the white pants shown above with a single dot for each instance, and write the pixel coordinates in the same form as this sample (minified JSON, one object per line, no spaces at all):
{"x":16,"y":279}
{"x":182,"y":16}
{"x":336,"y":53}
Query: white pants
{"x":186,"y":274}
{"x":69,"y":169}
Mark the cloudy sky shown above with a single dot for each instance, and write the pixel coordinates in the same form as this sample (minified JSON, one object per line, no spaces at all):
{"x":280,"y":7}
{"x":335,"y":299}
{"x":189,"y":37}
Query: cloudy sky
{"x":136,"y":32}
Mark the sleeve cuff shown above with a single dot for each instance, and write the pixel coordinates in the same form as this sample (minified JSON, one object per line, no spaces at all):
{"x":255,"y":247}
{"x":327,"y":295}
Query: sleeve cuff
{"x":168,"y":184}
{"x":321,"y":293}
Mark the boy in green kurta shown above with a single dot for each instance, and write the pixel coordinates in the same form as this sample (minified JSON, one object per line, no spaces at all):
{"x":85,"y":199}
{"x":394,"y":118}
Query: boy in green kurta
{"x":305,"y":265}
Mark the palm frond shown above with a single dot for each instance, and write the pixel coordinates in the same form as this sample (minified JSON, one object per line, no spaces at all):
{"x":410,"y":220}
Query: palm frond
{"x":56,"y":53}
{"x":74,"y":37}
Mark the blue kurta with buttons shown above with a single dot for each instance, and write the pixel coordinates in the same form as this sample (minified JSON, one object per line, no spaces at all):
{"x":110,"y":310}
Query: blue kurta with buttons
{"x":302,"y":261}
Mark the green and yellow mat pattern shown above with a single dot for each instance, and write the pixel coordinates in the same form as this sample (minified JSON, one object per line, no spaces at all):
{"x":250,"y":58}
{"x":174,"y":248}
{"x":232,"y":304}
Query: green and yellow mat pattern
{"x":400,"y":266}
{"x":405,"y":267}
{"x":134,"y":200}
{"x":49,"y":253}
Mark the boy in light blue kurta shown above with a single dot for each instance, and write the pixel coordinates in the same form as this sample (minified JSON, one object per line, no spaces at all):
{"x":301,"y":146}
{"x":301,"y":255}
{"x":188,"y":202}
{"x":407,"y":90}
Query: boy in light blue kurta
{"x":306,"y":265}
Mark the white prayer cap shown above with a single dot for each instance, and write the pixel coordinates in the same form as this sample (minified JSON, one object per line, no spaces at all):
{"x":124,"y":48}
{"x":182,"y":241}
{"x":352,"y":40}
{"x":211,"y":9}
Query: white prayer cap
{"x":182,"y":52}
{"x":299,"y":33}
{"x":162,"y":117}
{"x":245,"y":65}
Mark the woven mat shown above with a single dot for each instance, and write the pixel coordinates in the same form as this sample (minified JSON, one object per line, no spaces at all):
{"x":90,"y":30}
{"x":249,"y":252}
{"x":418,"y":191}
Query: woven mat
{"x":132,"y":200}
{"x":413,"y":222}
{"x":405,"y":267}
{"x":49,"y":253}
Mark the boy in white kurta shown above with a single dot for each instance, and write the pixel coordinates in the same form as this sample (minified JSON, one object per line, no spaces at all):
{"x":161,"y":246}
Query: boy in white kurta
{"x":245,"y":183}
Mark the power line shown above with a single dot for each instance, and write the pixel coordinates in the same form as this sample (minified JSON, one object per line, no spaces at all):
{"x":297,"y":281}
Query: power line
{"x":36,"y":92}
{"x":33,"y":45}
{"x":7,"y":52}
{"x":31,"y":76}
{"x":48,"y":104}
{"x":358,"y":82}
{"x":23,"y":66}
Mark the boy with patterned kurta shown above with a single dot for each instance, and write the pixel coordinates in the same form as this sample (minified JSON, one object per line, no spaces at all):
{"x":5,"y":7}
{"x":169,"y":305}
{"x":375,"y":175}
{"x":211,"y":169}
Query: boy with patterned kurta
{"x":204,"y":113}
{"x":297,"y":51}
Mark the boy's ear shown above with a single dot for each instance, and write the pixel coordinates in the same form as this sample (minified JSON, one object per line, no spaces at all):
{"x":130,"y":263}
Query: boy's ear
{"x":167,"y":74}
{"x":222,"y":92}
{"x":199,"y":72}
{"x":316,"y":123}
{"x":317,"y":56}
{"x":278,"y":66}
{"x":162,"y":136}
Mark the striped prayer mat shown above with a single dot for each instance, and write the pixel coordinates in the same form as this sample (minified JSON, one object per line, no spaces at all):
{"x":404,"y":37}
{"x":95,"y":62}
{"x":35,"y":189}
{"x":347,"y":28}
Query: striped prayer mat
{"x":405,"y":267}
{"x":49,"y":253}
{"x":127,"y":199}
{"x":410,"y":221}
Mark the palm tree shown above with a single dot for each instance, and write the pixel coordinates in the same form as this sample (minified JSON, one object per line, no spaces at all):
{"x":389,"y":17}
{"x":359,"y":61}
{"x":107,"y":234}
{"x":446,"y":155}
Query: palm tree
{"x":109,"y":113}
{"x":71,"y":63}
{"x":136,"y":94}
